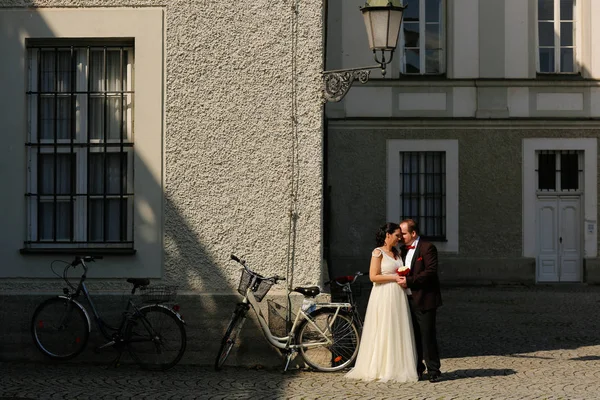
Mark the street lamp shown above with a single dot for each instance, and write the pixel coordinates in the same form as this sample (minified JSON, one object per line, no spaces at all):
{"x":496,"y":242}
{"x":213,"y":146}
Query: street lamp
{"x":383,"y":19}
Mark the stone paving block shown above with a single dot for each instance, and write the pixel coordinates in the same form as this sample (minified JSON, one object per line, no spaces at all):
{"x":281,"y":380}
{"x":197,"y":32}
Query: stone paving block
{"x":497,"y":343}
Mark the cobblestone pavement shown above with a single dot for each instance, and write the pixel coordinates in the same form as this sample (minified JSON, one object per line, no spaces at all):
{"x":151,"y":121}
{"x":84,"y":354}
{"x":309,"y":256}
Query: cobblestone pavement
{"x":497,"y":343}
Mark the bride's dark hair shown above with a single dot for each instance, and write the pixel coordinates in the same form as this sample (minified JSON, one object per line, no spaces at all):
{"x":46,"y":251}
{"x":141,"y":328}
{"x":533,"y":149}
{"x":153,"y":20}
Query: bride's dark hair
{"x":390,"y":228}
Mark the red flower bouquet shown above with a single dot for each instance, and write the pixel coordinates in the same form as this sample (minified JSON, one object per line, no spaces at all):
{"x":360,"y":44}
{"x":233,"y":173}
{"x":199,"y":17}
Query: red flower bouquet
{"x":403,"y":271}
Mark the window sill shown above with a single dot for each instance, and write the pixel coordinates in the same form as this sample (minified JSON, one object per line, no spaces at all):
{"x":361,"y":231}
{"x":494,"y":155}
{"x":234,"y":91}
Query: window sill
{"x":79,"y":251}
{"x":553,"y":76}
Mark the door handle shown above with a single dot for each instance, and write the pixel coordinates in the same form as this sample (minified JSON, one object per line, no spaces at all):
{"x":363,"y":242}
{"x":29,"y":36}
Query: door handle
{"x":560,"y":239}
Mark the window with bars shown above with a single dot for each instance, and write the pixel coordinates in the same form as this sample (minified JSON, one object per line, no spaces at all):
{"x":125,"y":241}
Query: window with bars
{"x":557,"y":36}
{"x":422,"y":36}
{"x":80,"y":143}
{"x":423,"y":191}
{"x":559,"y":170}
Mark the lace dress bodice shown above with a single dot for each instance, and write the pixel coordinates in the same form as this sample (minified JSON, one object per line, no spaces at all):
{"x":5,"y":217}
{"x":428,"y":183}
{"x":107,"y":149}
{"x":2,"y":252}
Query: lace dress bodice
{"x":389,"y":265}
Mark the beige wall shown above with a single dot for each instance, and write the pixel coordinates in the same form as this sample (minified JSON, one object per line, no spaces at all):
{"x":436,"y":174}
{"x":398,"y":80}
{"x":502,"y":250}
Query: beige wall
{"x":227,"y":138}
{"x":491,"y":66}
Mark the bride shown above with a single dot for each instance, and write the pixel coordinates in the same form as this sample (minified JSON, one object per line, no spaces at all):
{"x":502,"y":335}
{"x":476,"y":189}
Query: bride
{"x":387,"y":348}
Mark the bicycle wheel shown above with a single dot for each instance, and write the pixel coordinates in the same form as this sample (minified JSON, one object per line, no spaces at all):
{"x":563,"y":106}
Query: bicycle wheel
{"x":156,"y":339}
{"x":60,"y":328}
{"x":237,"y":321}
{"x":342,"y":333}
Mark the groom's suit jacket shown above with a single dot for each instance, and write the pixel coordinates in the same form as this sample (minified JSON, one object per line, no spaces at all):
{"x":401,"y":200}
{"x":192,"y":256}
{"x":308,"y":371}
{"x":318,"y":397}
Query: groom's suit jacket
{"x":423,"y":278}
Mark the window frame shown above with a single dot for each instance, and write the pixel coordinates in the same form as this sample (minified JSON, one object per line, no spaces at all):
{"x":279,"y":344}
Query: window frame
{"x":423,"y":43}
{"x":559,"y":172}
{"x":80,"y":145}
{"x":589,"y":197}
{"x":450,"y":147}
{"x":557,"y":45}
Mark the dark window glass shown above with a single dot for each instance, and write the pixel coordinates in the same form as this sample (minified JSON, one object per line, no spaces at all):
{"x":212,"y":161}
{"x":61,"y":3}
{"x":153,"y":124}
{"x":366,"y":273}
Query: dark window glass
{"x":566,"y":9}
{"x":566,"y":60}
{"x":412,"y":61}
{"x":432,"y":10}
{"x":547,"y":59}
{"x":411,"y":34}
{"x":412,"y":10}
{"x":545,"y":9}
{"x":569,"y":171}
{"x":547,"y":171}
{"x":546,"y":33}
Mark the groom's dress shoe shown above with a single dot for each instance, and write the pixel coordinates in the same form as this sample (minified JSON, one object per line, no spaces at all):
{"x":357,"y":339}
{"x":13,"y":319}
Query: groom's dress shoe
{"x":420,"y":374}
{"x":433,"y":378}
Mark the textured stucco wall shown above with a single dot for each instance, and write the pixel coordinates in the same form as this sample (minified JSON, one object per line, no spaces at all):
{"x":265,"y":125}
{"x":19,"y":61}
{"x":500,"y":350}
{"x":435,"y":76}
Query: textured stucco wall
{"x":242,"y":141}
{"x":243,"y":136}
{"x":490,"y":198}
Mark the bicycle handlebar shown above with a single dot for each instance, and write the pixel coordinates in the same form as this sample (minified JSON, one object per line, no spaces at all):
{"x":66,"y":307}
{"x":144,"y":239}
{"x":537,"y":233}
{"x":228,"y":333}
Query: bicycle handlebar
{"x":82,"y":260}
{"x":347,"y":279}
{"x":79,"y":260}
{"x":274,"y":278}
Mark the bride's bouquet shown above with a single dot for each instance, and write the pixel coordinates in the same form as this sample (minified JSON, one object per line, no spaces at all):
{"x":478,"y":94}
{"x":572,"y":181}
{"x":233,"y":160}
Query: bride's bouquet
{"x":403,"y":271}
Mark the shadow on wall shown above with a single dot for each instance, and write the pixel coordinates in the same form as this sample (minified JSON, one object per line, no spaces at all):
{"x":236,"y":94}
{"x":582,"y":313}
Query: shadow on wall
{"x":187,"y":260}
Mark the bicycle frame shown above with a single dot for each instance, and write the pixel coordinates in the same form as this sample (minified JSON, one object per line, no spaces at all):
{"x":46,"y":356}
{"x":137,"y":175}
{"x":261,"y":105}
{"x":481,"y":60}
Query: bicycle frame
{"x":346,"y":286}
{"x":347,"y":289}
{"x":104,"y":328}
{"x":285,"y":342}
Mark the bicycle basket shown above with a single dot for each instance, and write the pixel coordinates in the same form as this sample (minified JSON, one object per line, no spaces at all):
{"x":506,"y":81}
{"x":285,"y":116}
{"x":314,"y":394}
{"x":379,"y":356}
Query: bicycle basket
{"x":277,"y":318}
{"x":158,"y":294}
{"x":260,"y":287}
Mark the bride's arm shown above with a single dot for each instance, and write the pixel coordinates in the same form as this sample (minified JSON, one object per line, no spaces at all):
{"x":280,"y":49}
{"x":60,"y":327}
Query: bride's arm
{"x":375,"y":269}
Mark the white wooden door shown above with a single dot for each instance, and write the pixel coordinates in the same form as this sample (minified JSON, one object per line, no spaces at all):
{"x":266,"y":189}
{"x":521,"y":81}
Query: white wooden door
{"x":547,"y":234}
{"x":559,"y":239}
{"x":569,"y":224}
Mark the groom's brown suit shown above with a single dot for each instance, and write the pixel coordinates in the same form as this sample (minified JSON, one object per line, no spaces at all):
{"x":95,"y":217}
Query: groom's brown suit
{"x":426,"y":297}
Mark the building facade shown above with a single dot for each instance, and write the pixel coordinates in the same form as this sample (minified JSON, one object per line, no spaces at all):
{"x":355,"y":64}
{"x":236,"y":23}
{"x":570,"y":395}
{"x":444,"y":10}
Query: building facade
{"x":165,"y":137}
{"x":484,"y":130}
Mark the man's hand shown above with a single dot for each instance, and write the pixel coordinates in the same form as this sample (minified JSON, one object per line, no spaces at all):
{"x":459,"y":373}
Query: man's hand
{"x":401,"y":281}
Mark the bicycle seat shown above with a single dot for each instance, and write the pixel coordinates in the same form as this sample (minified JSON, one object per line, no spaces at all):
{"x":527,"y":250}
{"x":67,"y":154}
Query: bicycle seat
{"x":139,"y":281}
{"x":310,"y":291}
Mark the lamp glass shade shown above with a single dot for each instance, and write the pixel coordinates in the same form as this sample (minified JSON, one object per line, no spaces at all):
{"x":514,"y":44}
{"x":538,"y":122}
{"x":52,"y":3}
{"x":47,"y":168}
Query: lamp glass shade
{"x":383,"y":26}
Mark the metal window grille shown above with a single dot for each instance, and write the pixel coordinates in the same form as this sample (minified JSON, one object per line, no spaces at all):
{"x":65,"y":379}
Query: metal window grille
{"x":80,"y":143}
{"x":423,"y":191}
{"x":559,"y":170}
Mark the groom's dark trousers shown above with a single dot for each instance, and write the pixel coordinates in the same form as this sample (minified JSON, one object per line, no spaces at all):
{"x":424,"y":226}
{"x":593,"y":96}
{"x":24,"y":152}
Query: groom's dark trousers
{"x":425,"y":339}
{"x":426,"y":297}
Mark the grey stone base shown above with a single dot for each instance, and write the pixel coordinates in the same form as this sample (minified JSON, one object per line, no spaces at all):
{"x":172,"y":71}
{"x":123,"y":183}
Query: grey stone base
{"x":460,"y":271}
{"x":206,"y":317}
{"x":456,"y":271}
{"x":591,"y":269}
{"x":487,"y":271}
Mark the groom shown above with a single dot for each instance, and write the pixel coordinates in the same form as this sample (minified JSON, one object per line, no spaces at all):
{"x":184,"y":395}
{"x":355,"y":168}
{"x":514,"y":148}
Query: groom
{"x":424,"y":296}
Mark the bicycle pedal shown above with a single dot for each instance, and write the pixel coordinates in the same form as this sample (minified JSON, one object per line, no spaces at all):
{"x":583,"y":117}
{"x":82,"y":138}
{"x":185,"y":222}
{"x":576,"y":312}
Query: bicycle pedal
{"x":105,"y":345}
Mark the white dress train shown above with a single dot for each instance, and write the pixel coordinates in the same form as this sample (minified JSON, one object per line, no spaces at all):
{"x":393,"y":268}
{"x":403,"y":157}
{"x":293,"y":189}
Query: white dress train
{"x":387,"y":348}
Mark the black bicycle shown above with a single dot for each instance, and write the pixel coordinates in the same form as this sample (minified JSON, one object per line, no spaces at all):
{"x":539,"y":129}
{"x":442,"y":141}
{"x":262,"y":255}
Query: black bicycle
{"x":344,"y":283}
{"x":154,"y":334}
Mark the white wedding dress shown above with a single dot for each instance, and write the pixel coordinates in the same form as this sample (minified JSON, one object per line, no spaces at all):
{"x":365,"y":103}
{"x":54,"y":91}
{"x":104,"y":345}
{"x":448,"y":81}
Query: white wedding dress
{"x":387,"y":348}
